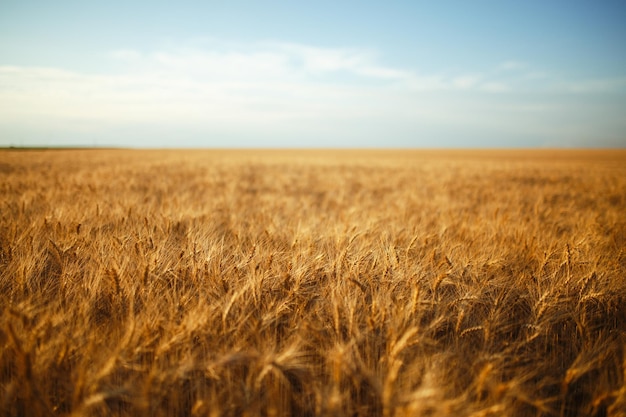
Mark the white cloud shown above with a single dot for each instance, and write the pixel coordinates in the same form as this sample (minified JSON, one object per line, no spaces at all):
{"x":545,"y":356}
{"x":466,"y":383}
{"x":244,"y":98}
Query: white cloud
{"x":271,"y":88}
{"x":269,"y":81}
{"x":315,"y":59}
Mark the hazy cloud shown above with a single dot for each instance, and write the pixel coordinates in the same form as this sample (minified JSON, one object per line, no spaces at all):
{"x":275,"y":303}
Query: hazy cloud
{"x":273,"y":88}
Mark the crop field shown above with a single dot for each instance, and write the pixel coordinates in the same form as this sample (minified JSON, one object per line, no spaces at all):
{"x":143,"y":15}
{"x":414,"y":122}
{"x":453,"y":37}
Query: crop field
{"x":312,"y":283}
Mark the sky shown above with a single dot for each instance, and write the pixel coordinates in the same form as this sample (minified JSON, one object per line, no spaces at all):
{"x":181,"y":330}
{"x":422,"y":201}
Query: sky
{"x":404,"y":74}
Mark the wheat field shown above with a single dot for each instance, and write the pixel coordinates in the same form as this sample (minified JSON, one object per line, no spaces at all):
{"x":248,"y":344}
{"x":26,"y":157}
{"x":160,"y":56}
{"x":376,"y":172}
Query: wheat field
{"x":312,"y":283}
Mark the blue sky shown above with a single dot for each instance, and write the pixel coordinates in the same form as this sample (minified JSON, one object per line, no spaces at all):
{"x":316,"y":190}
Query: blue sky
{"x":321,"y":74}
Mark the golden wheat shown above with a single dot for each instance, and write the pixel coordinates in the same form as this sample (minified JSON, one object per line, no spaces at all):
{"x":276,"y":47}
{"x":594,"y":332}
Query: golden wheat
{"x":244,"y":283}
